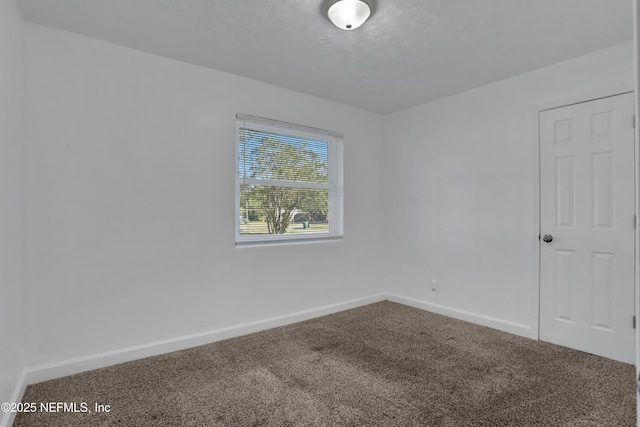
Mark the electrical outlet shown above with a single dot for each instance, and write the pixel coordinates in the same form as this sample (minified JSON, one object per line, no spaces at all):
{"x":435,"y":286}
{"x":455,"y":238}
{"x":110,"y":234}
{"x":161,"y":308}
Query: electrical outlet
{"x":434,"y":285}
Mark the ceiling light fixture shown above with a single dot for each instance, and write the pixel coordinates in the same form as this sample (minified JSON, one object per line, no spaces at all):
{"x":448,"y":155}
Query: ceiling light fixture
{"x":347,"y":14}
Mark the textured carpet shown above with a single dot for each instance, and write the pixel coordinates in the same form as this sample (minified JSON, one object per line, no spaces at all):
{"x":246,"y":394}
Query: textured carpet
{"x":383,"y":364}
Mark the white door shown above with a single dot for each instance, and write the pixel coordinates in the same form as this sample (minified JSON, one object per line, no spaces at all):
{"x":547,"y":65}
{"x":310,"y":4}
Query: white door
{"x":587,"y":227}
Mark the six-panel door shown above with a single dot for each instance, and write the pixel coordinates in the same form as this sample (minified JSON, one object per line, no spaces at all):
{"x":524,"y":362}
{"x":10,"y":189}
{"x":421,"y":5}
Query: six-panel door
{"x":587,"y":209}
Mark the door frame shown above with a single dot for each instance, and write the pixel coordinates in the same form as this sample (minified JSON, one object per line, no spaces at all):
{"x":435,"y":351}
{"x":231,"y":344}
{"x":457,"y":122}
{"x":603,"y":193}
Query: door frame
{"x":537,"y":192}
{"x":636,"y":81}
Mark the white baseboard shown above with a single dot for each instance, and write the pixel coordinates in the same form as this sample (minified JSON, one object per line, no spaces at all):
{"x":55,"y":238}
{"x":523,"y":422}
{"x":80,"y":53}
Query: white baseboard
{"x":64,"y":368}
{"x":492,"y":322}
{"x":8,"y":417}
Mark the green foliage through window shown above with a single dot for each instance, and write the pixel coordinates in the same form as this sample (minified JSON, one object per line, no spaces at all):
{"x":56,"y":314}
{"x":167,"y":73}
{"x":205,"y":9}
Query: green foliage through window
{"x":284,"y":184}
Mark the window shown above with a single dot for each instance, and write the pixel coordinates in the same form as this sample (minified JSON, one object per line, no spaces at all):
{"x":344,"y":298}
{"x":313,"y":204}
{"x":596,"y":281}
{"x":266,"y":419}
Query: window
{"x":289,"y":184}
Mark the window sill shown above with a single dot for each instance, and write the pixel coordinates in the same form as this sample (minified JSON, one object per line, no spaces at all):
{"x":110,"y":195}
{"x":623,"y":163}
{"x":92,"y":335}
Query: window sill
{"x":289,"y":242}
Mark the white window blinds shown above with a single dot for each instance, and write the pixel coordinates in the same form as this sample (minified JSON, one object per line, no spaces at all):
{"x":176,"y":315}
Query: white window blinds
{"x":289,"y":182}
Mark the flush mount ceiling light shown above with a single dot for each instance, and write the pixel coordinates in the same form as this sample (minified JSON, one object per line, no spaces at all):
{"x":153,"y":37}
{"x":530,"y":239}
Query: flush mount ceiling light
{"x":347,"y":14}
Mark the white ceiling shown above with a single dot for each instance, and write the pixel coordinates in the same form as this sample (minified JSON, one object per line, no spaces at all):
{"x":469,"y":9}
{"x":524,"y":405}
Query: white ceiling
{"x":408,"y":53}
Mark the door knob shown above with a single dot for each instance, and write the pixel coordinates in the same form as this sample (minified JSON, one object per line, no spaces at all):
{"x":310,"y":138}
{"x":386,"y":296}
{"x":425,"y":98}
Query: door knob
{"x":547,"y":238}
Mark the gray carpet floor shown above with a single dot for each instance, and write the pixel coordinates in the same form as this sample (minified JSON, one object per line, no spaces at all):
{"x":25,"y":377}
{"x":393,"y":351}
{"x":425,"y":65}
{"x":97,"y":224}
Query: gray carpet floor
{"x":383,"y":364}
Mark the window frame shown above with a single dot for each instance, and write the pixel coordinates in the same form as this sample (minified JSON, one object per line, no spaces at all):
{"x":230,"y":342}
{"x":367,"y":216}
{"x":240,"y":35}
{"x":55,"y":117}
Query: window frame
{"x":335,"y":184}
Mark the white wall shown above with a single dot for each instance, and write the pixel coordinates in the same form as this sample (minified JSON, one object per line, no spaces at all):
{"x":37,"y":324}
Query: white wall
{"x":130,"y":202}
{"x":463,"y":198}
{"x":11,"y":145}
